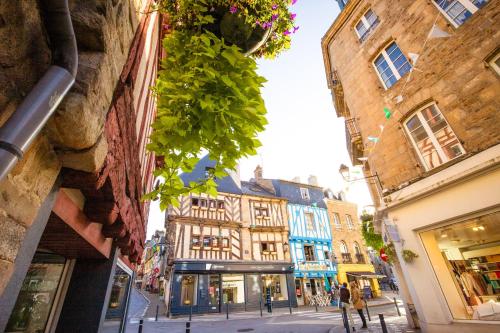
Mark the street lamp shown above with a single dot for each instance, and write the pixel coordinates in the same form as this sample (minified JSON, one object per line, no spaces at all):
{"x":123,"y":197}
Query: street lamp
{"x":346,"y":175}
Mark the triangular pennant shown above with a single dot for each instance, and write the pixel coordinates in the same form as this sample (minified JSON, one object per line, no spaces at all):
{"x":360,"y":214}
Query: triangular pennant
{"x":381,"y":127}
{"x":399,"y":99}
{"x":372,"y":139}
{"x":387,"y":113}
{"x":413,"y":57}
{"x":436,"y":32}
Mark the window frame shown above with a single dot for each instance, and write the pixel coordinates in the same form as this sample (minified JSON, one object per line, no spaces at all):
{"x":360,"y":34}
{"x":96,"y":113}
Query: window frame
{"x":431,"y":135}
{"x":343,"y":245}
{"x":369,"y":28}
{"x":336,"y":218}
{"x":389,"y":62}
{"x":199,"y":242}
{"x":271,"y":247}
{"x":348,"y":221}
{"x":304,"y":193}
{"x":313,"y":252}
{"x":313,"y":225}
{"x":467,"y":5}
{"x":492,"y":62}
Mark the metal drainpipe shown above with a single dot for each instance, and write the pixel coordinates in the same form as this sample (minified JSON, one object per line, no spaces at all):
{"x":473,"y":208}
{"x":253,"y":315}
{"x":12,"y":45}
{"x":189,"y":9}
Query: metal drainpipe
{"x":19,"y":131}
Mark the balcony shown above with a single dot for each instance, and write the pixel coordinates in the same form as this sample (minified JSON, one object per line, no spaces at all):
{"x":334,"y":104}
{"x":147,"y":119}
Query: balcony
{"x":360,"y":258}
{"x":337,"y":90}
{"x":353,"y":141}
{"x":346,"y":258}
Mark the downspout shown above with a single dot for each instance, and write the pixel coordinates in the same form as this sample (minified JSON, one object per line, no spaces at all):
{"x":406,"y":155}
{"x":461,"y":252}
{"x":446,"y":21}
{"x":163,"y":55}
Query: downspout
{"x":19,"y":131}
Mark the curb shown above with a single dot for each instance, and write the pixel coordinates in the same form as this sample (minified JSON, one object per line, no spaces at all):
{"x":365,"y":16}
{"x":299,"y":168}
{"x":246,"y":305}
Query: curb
{"x":147,"y":305}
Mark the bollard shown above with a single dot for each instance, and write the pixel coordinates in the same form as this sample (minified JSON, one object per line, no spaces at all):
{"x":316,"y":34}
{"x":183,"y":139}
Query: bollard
{"x":157,"y":309}
{"x":188,"y":327}
{"x":316,"y":305}
{"x":346,"y":320}
{"x":367,"y":312}
{"x":227,"y":310}
{"x":397,"y":307}
{"x":290,"y":304}
{"x":260,"y":305}
{"x":382,"y":323}
{"x":190,"y":312}
{"x":140,"y":326}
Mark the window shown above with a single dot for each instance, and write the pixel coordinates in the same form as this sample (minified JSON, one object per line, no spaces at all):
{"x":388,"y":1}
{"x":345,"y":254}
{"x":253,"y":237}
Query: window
{"x":209,"y":171}
{"x":327,"y":255}
{"x":309,"y":221}
{"x":336,"y":221}
{"x":433,"y":137}
{"x":225,"y":243}
{"x":220,"y":204}
{"x":261,"y":212}
{"x":233,"y":288}
{"x":276,"y":284}
{"x":207,"y":241}
{"x":203,"y":203}
{"x":309,"y":253}
{"x":391,"y":65}
{"x":195,"y":202}
{"x":212,"y":204}
{"x":195,"y":241}
{"x":366,"y":24}
{"x":304,"y":193}
{"x":188,"y":289}
{"x":348,"y":219}
{"x":268,"y":246}
{"x":494,"y":62}
{"x":214,"y":242}
{"x":458,"y":11}
{"x":343,"y":247}
{"x":357,"y":249}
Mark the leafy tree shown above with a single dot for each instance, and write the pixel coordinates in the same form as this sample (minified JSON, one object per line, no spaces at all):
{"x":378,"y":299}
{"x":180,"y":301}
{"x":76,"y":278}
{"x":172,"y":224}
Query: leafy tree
{"x":372,"y":239}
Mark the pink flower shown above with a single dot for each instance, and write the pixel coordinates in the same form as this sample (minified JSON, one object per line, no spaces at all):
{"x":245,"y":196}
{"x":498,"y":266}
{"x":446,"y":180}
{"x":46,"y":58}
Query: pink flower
{"x":233,"y":9}
{"x":274,"y":17}
{"x":274,"y":7}
{"x":266,"y":25}
{"x":286,"y":32}
{"x":292,"y":16}
{"x":295,"y":29}
{"x":294,"y":2}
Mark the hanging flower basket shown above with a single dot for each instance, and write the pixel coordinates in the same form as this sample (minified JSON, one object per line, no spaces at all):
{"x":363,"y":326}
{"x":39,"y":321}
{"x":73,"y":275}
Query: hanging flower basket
{"x":409,"y":256}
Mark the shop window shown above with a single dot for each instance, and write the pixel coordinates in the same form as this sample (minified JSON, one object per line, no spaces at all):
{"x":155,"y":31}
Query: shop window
{"x":336,"y":221}
{"x":432,"y":136}
{"x":275,"y":284}
{"x":309,"y":253}
{"x":349,"y":223}
{"x":195,"y":241}
{"x":214,"y":291}
{"x":459,"y":11}
{"x":391,"y":65}
{"x":309,"y":217}
{"x":268,"y":247}
{"x":118,"y":299}
{"x":189,"y":286}
{"x":35,"y":301}
{"x":233,"y":288}
{"x":366,"y":24}
{"x":304,"y":193}
{"x":465,"y":257}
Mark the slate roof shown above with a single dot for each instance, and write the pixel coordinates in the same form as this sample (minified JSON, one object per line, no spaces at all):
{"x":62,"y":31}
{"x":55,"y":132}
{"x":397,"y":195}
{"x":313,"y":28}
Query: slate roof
{"x":228,"y":184}
{"x":252,"y":188}
{"x":291,"y":191}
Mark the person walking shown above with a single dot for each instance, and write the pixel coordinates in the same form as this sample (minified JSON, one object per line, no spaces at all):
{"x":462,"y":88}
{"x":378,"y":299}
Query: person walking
{"x":345,"y":297}
{"x":358,"y":302}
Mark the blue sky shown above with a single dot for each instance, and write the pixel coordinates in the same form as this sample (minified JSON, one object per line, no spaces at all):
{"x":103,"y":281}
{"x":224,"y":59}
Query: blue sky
{"x":304,"y":136}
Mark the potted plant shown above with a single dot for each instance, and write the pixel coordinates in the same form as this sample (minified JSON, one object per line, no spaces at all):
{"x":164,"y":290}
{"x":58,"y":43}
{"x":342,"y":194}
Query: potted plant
{"x":261,"y":28}
{"x":409,"y":256}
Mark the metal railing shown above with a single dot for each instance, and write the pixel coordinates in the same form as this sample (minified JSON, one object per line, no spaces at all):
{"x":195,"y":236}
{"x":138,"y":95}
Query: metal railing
{"x":346,"y":258}
{"x":360,"y":258}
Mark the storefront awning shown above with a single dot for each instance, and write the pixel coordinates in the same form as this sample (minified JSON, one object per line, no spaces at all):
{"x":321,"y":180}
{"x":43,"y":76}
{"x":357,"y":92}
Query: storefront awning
{"x":366,"y":275}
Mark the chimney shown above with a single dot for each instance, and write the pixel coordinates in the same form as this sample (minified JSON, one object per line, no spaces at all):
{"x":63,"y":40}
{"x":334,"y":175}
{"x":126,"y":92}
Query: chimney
{"x":312,"y":180}
{"x":258,"y":173}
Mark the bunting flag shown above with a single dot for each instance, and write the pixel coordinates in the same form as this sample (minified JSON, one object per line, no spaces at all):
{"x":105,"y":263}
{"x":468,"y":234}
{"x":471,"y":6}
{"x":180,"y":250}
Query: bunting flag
{"x":436,"y":32}
{"x":413,"y":57}
{"x":387,"y":113}
{"x":381,"y":127}
{"x":363,"y":159}
{"x":399,"y":99}
{"x":372,"y":139}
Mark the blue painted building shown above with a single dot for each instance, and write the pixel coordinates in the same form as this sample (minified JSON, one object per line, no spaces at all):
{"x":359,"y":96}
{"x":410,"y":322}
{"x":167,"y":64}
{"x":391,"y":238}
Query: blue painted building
{"x":342,"y":3}
{"x":310,"y":239}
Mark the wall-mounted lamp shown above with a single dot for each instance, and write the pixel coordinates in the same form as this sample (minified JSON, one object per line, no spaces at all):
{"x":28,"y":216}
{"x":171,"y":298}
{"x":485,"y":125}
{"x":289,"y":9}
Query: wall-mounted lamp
{"x":285,"y":247}
{"x":346,"y":175}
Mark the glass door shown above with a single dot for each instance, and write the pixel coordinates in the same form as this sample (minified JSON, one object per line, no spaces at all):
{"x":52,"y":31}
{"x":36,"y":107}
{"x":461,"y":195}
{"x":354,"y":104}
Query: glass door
{"x":214,"y":293}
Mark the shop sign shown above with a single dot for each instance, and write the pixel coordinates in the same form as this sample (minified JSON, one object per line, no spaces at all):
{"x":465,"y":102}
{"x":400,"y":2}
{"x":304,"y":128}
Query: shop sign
{"x":313,"y":267}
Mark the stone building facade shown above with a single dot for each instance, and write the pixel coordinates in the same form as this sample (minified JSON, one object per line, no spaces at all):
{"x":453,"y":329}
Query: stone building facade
{"x":70,"y":210}
{"x":349,"y":248}
{"x":228,"y":251}
{"x":417,"y":83}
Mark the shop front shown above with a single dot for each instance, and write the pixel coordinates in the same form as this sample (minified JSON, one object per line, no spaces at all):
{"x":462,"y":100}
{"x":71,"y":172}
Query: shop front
{"x":311,"y":286}
{"x":367,"y":282}
{"x":204,"y":287}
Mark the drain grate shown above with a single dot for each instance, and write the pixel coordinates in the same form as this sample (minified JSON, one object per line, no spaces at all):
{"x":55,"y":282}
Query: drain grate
{"x":245,"y":330}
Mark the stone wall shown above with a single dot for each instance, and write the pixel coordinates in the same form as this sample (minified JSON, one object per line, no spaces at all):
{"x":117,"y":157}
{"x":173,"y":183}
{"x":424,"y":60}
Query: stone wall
{"x":73,"y":138}
{"x":451,"y":71}
{"x":344,"y":234}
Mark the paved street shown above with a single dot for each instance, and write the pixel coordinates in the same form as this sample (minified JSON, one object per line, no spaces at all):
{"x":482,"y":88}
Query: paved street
{"x":303,"y":320}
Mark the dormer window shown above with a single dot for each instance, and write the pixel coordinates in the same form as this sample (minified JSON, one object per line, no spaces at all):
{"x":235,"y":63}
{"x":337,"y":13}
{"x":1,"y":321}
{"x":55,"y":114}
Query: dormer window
{"x":304,"y":193}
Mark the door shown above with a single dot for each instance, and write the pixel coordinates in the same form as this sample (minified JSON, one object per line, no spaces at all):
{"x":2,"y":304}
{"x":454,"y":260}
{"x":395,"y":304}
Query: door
{"x":314,"y":290}
{"x":299,"y":292}
{"x":214,"y":293}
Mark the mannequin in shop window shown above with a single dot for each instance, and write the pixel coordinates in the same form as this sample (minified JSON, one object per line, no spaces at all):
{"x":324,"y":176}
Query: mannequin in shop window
{"x":472,"y":283}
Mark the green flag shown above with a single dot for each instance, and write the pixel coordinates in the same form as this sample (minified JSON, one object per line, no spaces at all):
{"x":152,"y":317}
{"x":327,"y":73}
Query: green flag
{"x":387,"y":113}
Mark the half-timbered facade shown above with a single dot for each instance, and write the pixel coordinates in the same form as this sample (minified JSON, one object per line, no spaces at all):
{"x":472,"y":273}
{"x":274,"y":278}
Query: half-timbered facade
{"x":310,"y":239}
{"x":230,"y":250}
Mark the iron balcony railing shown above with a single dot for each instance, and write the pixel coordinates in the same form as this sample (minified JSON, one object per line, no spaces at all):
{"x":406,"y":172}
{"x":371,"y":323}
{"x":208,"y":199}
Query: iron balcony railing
{"x":346,"y":258}
{"x":360,"y":258}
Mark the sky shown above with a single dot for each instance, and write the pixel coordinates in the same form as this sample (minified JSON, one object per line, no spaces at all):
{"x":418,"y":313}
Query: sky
{"x":304,"y":136}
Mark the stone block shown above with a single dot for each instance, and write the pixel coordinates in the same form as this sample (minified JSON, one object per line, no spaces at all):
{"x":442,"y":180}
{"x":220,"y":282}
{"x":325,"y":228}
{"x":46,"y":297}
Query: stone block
{"x":6,"y":270}
{"x":89,"y":160}
{"x":11,"y":237}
